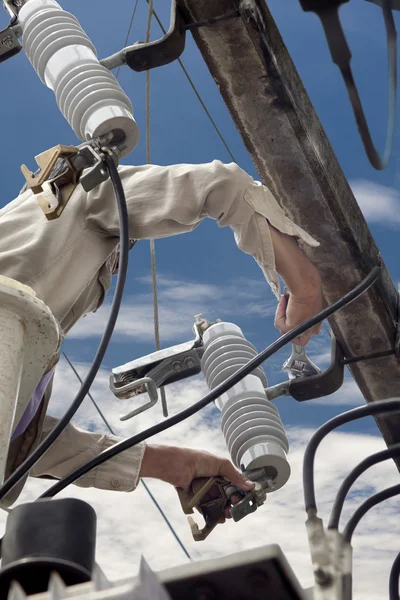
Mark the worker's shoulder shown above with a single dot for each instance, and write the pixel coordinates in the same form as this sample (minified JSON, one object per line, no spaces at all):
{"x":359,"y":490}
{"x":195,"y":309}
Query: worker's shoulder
{"x":16,"y":203}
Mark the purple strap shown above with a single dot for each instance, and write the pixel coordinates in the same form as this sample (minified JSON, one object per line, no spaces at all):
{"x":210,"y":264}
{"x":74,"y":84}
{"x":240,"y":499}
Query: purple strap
{"x":34,"y":404}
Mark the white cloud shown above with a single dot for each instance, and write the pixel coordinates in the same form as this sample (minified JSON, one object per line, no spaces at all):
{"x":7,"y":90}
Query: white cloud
{"x":379,"y":204}
{"x":179,"y":301}
{"x":129,"y":524}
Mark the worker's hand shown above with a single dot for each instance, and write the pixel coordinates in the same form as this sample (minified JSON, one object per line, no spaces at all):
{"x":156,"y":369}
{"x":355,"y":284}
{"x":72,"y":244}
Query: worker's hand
{"x":294,"y":310}
{"x":179,"y":466}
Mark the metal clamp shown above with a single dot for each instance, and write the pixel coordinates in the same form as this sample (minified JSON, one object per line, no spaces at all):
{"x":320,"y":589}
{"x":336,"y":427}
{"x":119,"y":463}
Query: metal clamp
{"x":213,"y":495}
{"x":163,"y":367}
{"x":144,"y":56}
{"x":62,"y":169}
{"x":146,"y":384}
{"x":66,"y":179}
{"x":9,"y":43}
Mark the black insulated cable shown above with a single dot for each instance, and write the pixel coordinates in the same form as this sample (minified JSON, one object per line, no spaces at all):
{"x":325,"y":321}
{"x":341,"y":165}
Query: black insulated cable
{"x":365,"y":507}
{"x":27,"y":465}
{"x":378,"y":457}
{"x":377,"y":408}
{"x":219,"y":390}
{"x":394,"y":579}
{"x":328,"y":13}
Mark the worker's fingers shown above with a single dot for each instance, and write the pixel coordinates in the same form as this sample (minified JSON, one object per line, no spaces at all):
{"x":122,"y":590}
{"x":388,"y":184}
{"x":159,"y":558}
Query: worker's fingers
{"x":227,"y":470}
{"x":303,"y":339}
{"x":280,"y":315}
{"x":234,"y":500}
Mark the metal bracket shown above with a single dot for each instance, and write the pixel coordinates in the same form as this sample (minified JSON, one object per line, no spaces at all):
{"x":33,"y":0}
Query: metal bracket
{"x":67,"y":178}
{"x":143,"y":57}
{"x":160,"y":368}
{"x":212,"y":495}
{"x":14,"y":6}
{"x":163,"y":367}
{"x":146,"y":384}
{"x":395,"y":4}
{"x":9,"y":43}
{"x":60,"y":171}
{"x":209,"y":495}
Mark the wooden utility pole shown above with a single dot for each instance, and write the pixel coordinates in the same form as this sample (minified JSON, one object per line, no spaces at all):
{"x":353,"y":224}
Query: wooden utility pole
{"x":278,"y":124}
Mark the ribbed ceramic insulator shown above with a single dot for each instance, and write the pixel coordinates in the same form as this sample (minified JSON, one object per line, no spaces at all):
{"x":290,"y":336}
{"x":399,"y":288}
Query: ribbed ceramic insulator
{"x":251,"y":424}
{"x":63,"y":56}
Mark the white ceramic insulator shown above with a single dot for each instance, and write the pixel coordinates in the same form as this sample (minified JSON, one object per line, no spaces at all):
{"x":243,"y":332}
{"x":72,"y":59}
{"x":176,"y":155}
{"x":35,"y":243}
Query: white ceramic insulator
{"x":29,"y":338}
{"x":88,"y":95}
{"x":251,"y":424}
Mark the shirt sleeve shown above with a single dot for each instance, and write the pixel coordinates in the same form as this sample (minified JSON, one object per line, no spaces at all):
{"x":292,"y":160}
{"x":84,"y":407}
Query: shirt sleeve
{"x":166,"y":201}
{"x":75,"y":447}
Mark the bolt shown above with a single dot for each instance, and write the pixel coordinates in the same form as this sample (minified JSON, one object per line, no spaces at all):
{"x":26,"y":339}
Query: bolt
{"x":189,"y":362}
{"x":7,"y":41}
{"x":322,"y":577}
{"x":177,"y":366}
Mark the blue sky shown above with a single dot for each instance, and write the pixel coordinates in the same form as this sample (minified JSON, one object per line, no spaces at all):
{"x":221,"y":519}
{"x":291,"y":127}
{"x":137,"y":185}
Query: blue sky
{"x":208,"y":273}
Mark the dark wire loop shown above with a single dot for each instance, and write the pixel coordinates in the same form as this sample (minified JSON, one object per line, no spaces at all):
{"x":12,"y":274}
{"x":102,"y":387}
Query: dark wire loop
{"x":344,"y":489}
{"x":219,"y":390}
{"x":377,"y":408}
{"x":365,"y":507}
{"x":119,"y":290}
{"x":394,"y":579}
{"x":341,"y":56}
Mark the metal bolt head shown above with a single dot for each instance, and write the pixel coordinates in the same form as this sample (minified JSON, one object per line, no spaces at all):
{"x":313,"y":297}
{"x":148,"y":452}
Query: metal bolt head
{"x":177,"y":366}
{"x":189,"y":362}
{"x":322,"y":577}
{"x":7,"y":41}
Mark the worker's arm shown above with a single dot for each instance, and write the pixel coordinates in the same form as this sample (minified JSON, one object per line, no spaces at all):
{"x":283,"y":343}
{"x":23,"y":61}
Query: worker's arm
{"x":174,"y":465}
{"x":165,"y":201}
{"x":304,"y":282}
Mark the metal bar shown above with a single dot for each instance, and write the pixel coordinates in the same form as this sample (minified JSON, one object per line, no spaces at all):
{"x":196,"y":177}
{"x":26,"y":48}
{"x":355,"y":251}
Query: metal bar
{"x":274,"y":115}
{"x":354,"y":359}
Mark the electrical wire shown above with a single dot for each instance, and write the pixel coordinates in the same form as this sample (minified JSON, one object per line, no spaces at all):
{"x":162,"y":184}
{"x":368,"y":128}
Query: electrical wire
{"x":26,"y":466}
{"x":220,"y":389}
{"x":143,"y":483}
{"x":344,"y":489}
{"x":156,"y":319}
{"x":394,"y":579}
{"x":377,"y":408}
{"x":128,"y":34}
{"x":198,"y":96}
{"x":341,"y":56}
{"x":365,"y":507}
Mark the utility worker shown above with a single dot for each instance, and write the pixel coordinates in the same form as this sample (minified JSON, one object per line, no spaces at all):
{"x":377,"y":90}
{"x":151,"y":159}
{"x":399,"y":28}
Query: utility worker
{"x":69,"y":262}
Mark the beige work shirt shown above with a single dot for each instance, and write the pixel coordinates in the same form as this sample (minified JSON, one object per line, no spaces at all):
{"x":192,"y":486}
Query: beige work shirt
{"x":69,"y":264}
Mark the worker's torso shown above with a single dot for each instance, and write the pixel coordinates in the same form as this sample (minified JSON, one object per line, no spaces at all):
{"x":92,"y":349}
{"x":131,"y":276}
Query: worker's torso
{"x":70,"y":269}
{"x":68,"y":265}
